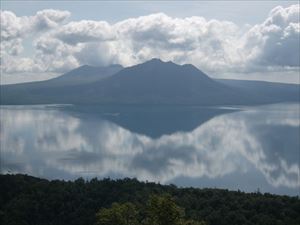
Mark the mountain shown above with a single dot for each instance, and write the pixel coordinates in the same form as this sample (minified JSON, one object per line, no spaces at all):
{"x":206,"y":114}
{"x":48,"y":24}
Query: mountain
{"x":152,"y":82}
{"x":36,"y":92}
{"x":85,"y":74}
{"x":158,"y":82}
{"x":147,"y":120}
{"x":271,"y":91}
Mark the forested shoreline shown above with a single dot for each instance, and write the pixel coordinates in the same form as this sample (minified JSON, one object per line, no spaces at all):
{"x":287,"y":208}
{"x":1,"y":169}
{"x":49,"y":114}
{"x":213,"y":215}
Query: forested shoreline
{"x":27,"y":200}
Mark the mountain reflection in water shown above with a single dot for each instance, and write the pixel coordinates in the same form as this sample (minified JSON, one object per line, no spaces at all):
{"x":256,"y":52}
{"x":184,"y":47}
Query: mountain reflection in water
{"x":247,"y":149}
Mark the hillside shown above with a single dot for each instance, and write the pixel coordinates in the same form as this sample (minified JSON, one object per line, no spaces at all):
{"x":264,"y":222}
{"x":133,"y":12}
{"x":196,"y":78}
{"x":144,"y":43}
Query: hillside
{"x":85,"y":74}
{"x":29,"y":200}
{"x":152,"y":82}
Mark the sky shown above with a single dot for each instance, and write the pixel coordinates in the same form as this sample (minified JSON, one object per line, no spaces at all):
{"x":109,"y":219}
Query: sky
{"x":253,"y":40}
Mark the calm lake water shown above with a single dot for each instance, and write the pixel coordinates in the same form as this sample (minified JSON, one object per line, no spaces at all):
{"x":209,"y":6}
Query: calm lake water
{"x":247,"y":148}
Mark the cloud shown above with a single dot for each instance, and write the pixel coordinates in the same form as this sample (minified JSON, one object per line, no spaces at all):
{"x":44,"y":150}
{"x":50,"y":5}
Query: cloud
{"x":18,"y":65}
{"x":48,"y":18}
{"x":135,"y":40}
{"x":241,"y":142}
{"x":212,"y":45}
{"x":85,"y":31}
{"x":11,"y":26}
{"x":15,"y":29}
{"x":193,"y":39}
{"x":275,"y":42}
{"x":54,"y":55}
{"x":93,"y":54}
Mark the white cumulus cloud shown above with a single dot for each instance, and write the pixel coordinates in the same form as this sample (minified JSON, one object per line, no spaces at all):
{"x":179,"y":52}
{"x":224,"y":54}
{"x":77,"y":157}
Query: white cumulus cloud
{"x":211,"y":45}
{"x":15,"y":29}
{"x":85,"y":31}
{"x":275,"y":42}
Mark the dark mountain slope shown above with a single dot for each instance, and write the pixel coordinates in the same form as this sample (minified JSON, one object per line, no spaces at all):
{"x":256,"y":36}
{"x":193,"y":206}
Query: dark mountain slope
{"x":86,"y":74}
{"x":45,"y":91}
{"x":278,"y":91}
{"x":152,"y":82}
{"x":157,"y":82}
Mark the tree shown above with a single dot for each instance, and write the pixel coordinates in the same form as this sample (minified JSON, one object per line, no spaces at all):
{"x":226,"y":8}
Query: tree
{"x":27,"y":200}
{"x":162,"y":210}
{"x":193,"y":222}
{"x":118,"y":214}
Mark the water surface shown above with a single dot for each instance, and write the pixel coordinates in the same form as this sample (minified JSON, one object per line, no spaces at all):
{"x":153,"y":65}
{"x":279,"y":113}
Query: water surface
{"x":248,"y":148}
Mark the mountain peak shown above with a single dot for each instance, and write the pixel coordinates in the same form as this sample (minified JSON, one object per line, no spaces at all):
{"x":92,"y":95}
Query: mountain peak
{"x":155,"y":60}
{"x":161,"y":66}
{"x":158,"y":61}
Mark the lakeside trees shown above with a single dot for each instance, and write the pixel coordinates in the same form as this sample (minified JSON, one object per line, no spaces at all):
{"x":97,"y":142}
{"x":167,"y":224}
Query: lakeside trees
{"x":160,"y":210}
{"x":118,"y":214}
{"x":25,"y":200}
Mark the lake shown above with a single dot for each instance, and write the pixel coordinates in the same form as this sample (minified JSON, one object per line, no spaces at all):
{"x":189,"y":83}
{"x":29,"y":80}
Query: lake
{"x":245,"y":148}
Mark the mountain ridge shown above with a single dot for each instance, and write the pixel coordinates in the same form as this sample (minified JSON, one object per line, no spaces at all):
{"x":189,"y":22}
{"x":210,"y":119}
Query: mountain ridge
{"x":151,"y":82}
{"x":86,"y":74}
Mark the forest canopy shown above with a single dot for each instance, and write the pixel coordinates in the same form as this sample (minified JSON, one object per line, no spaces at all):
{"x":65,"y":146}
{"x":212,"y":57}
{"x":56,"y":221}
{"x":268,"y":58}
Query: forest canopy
{"x":27,"y":200}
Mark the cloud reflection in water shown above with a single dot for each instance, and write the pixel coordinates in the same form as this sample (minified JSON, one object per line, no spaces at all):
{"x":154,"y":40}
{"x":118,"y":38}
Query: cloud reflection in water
{"x":53,"y":143}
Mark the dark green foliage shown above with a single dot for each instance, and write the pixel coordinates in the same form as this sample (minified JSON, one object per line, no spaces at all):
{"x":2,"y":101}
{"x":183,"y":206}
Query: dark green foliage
{"x":118,"y":214}
{"x":26,"y":200}
{"x":162,"y":210}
